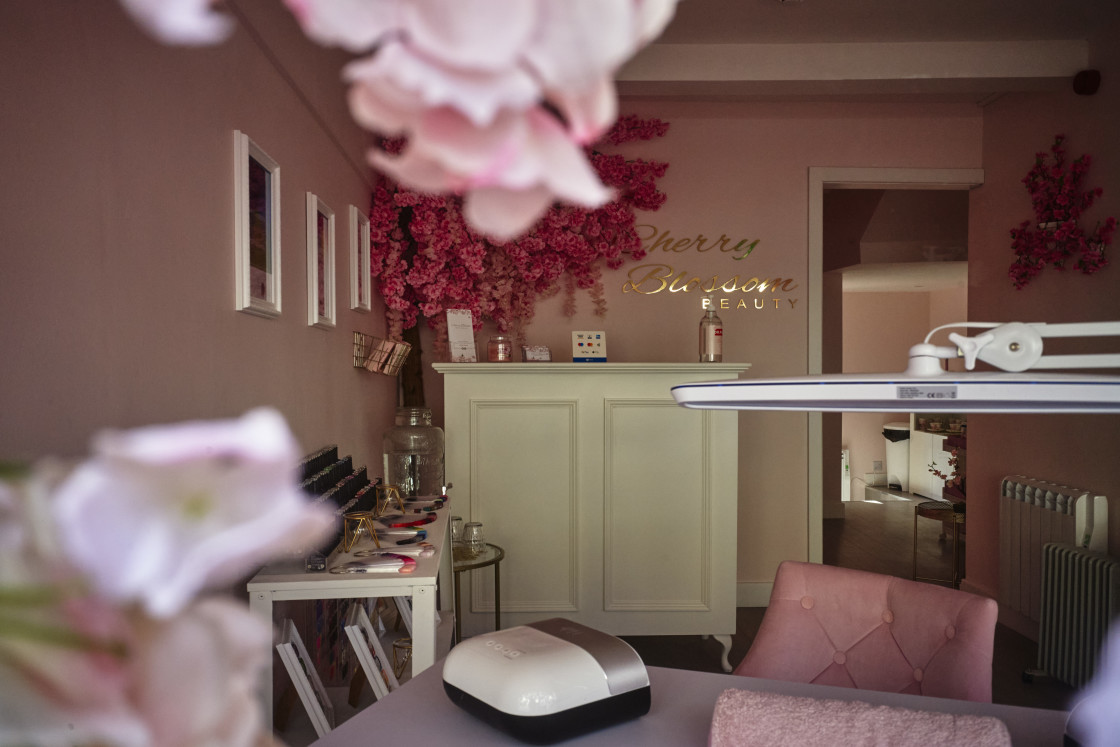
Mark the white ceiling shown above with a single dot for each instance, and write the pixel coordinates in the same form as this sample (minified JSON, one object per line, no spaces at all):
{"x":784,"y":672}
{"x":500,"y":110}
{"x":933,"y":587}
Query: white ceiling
{"x":831,"y":21}
{"x":898,"y":50}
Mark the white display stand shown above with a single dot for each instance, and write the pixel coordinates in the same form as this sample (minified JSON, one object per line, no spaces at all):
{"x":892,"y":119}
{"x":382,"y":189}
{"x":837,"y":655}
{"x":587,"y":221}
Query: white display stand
{"x":288,"y":580}
{"x":367,"y":646}
{"x":306,"y":680}
{"x":615,"y":506}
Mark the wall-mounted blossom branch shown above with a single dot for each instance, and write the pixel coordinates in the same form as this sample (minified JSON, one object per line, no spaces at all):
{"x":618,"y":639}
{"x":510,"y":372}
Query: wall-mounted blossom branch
{"x":1056,"y":235}
{"x":426,"y":258}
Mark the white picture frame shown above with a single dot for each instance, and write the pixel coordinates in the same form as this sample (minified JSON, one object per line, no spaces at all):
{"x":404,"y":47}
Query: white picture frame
{"x":306,"y":680}
{"x":367,"y":645}
{"x":256,"y":228}
{"x":320,"y":264}
{"x":361,"y":293}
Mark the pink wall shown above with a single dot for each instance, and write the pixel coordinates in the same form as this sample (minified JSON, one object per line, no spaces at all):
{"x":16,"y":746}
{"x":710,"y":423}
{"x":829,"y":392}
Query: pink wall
{"x":871,"y":345}
{"x":742,"y":170}
{"x":1075,"y":450}
{"x":117,"y":281}
{"x":917,"y":225}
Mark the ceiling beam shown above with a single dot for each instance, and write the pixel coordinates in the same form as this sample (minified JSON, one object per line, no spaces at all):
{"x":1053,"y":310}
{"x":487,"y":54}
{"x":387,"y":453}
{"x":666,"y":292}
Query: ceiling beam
{"x":921,"y":68}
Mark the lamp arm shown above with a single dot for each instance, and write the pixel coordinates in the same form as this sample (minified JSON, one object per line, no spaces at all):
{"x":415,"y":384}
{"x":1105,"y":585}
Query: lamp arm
{"x":1014,"y":346}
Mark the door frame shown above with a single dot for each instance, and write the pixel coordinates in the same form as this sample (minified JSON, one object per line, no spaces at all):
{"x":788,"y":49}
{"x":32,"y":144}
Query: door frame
{"x":820,"y":179}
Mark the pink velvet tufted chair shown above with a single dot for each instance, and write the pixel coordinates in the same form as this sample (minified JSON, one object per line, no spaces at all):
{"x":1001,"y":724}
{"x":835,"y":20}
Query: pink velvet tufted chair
{"x":835,"y":626}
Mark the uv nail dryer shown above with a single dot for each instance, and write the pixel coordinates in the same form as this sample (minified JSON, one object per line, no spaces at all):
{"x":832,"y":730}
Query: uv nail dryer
{"x":547,"y":681}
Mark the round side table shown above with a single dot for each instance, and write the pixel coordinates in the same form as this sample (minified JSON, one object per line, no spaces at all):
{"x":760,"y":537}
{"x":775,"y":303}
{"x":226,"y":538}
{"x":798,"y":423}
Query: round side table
{"x":489,"y":555}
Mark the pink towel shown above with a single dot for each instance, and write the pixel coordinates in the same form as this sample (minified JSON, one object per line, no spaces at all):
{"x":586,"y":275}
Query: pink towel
{"x":745,"y":717}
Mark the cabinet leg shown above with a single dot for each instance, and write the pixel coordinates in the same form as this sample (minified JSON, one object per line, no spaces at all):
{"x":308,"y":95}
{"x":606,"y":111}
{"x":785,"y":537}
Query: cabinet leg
{"x":725,"y":641}
{"x":260,"y":603}
{"x":497,"y":597}
{"x":914,"y":567}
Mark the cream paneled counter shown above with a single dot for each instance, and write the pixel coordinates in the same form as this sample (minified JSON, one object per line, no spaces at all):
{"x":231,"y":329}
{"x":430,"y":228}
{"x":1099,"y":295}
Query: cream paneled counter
{"x":616,"y":507}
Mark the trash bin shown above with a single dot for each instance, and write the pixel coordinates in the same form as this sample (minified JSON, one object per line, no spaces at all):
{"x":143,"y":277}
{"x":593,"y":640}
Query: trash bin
{"x":897,"y":436}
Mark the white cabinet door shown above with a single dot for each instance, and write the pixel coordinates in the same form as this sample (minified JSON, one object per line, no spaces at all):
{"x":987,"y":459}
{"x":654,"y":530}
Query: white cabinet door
{"x":616,"y":507}
{"x":919,"y":463}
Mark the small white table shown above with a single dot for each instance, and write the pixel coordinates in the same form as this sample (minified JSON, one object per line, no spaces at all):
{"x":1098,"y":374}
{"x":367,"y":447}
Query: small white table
{"x":287,"y":580}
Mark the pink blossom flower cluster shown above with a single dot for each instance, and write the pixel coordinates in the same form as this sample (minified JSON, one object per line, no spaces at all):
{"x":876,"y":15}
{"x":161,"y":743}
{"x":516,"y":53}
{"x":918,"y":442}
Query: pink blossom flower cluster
{"x":1056,"y":234}
{"x":106,"y":636}
{"x":631,"y":127}
{"x":496,"y":97}
{"x":953,"y":478}
{"x":427,"y":259}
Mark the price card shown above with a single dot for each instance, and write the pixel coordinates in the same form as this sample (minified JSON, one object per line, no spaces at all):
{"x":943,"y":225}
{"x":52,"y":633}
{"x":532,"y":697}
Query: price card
{"x":460,"y":336}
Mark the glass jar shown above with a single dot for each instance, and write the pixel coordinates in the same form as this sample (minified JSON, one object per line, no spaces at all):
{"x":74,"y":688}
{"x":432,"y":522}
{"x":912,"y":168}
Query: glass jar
{"x":473,"y":539}
{"x":499,"y":349}
{"x":413,"y":453}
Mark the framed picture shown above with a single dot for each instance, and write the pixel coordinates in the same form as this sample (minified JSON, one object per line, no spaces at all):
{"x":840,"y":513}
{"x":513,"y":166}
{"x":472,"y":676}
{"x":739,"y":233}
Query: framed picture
{"x":370,"y":652}
{"x":306,"y":680}
{"x":320,"y":264}
{"x":360,"y":293}
{"x":257,"y":228}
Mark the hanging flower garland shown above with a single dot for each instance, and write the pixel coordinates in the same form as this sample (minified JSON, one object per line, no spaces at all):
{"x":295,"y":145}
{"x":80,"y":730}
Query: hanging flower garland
{"x":1056,"y":236}
{"x":426,"y":259}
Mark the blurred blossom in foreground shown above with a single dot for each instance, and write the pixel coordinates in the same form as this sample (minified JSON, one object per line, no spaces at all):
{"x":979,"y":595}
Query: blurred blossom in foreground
{"x":160,"y":513}
{"x":1095,"y":719}
{"x":181,"y":21}
{"x":496,"y":98}
{"x":103,"y":637}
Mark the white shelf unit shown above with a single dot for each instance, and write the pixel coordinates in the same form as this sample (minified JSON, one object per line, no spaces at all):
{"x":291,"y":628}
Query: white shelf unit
{"x":925,"y":449}
{"x":288,"y":580}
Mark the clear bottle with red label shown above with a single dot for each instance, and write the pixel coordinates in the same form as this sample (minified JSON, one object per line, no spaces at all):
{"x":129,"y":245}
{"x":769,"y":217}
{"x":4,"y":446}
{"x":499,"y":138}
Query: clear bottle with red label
{"x":711,"y":334}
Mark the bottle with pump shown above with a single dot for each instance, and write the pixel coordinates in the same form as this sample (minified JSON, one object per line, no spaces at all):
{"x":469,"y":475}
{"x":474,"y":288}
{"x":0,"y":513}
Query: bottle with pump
{"x":711,"y":334}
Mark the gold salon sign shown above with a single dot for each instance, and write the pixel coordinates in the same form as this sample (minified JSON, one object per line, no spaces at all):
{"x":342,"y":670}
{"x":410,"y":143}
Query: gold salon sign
{"x":653,"y":278}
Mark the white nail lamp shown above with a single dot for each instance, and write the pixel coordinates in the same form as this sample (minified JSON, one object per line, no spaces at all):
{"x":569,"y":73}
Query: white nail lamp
{"x":924,"y":386}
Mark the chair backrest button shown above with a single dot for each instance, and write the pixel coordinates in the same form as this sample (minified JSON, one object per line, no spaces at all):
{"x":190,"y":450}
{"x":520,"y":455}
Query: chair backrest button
{"x":839,"y":658}
{"x":918,"y":675}
{"x":807,"y":602}
{"x":888,"y":617}
{"x":950,"y":631}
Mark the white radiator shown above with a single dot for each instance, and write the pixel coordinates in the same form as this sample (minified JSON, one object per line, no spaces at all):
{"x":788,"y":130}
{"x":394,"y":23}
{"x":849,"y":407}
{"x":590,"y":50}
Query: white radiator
{"x":1032,"y":513}
{"x":1080,"y":598}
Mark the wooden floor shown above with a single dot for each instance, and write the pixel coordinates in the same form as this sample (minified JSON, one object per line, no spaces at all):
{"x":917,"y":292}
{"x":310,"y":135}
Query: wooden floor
{"x":876,"y":537}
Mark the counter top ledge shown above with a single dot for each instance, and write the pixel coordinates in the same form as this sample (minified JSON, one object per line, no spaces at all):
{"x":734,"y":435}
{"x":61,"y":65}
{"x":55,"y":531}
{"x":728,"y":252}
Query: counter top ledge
{"x":620,"y":368}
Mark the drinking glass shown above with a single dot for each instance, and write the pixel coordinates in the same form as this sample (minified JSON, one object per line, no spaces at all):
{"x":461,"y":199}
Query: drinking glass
{"x":472,"y":538}
{"x":456,"y":529}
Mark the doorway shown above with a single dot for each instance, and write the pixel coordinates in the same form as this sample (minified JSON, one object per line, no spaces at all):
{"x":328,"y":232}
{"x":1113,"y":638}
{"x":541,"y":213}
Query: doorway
{"x":902,"y":260}
{"x":824,"y":433}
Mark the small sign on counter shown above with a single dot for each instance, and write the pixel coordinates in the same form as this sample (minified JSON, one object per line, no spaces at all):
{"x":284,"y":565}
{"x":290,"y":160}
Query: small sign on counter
{"x":589,"y":347}
{"x":460,"y":336}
